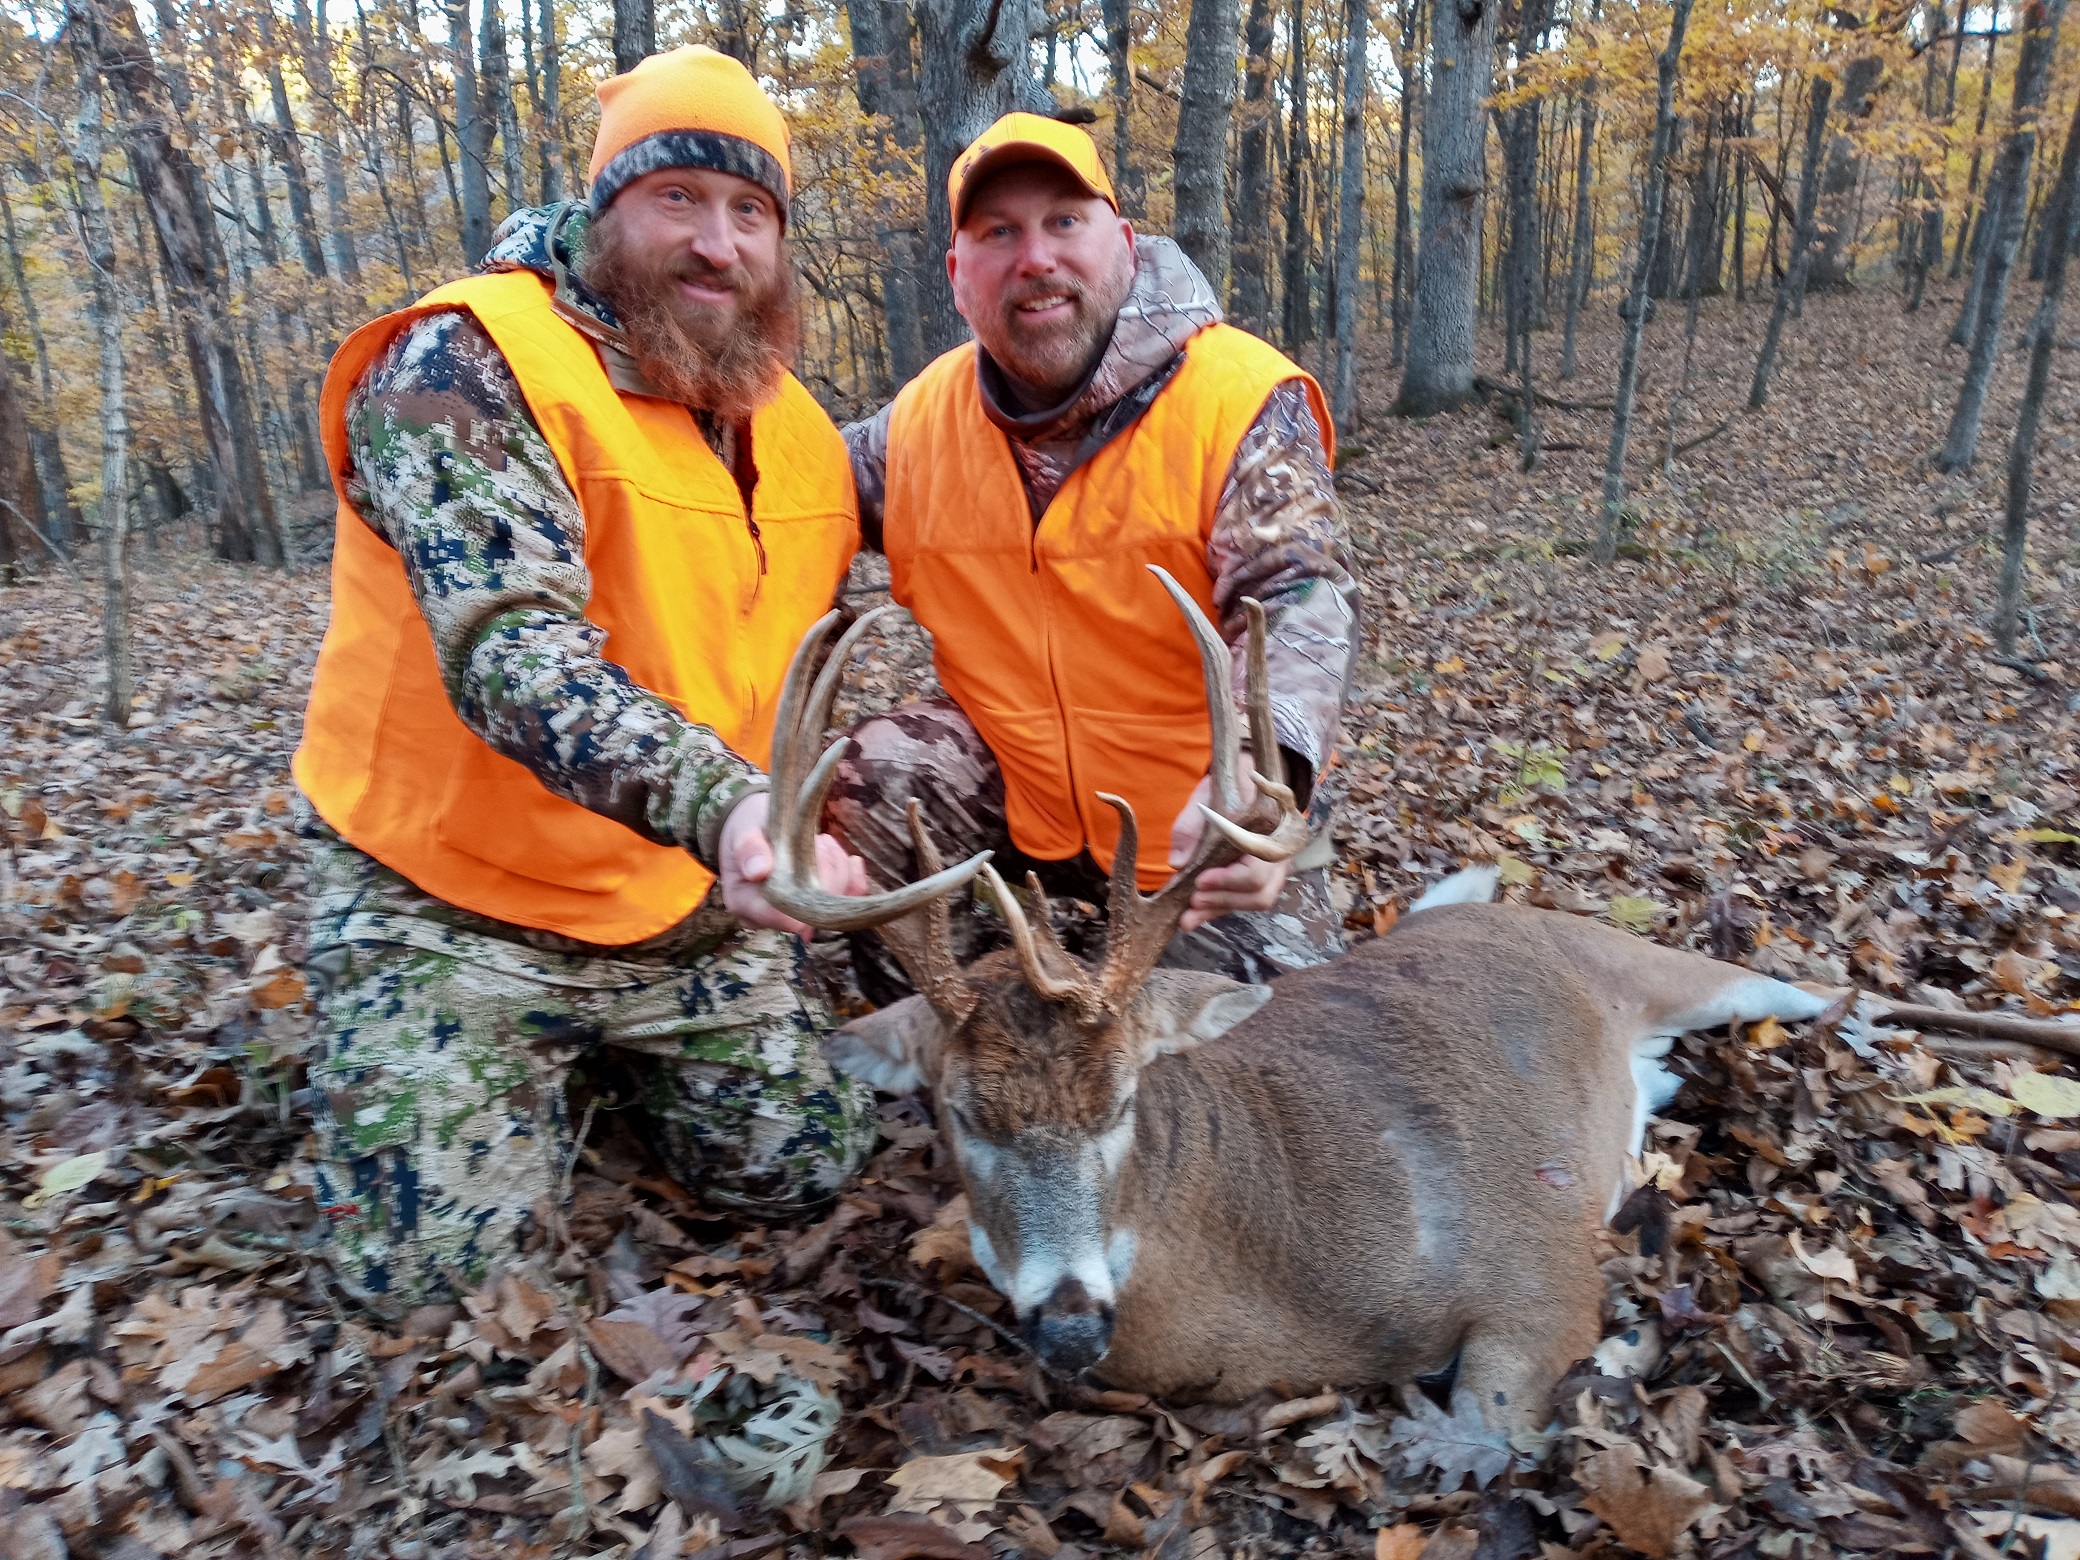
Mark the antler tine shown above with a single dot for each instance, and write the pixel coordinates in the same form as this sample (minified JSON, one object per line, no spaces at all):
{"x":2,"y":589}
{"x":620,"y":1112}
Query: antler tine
{"x":1139,"y":928}
{"x":923,"y":940}
{"x":1263,"y":736}
{"x":1216,"y":667}
{"x":799,"y":789}
{"x":1032,"y":957}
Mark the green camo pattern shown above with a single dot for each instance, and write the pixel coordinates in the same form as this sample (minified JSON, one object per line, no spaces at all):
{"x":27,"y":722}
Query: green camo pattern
{"x":447,"y":1041}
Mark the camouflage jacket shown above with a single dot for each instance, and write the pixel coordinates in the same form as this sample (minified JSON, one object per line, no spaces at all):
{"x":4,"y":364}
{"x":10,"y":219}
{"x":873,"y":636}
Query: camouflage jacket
{"x":1277,"y":532}
{"x":450,"y":468}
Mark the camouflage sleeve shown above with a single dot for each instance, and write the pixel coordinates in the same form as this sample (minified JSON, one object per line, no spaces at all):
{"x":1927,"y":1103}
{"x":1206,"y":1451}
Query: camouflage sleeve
{"x":451,"y":469}
{"x":1278,"y":536}
{"x":867,"y":442}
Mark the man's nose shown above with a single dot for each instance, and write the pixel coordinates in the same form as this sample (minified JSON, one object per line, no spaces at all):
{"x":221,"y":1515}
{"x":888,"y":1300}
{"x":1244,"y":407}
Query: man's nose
{"x":1071,"y":1330}
{"x":713,"y":240}
{"x":1035,"y":255}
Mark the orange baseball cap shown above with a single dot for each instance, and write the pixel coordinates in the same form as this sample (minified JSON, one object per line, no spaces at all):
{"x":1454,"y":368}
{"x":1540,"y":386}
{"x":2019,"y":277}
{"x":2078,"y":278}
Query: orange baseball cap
{"x":1024,"y":138}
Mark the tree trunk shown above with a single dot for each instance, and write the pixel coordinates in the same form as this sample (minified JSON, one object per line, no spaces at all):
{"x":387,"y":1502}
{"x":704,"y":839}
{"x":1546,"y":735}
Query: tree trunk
{"x":1582,"y":261}
{"x":1404,"y":207}
{"x":317,"y":70}
{"x":1297,"y":312}
{"x":1250,"y":298}
{"x":548,"y":137}
{"x":21,"y":490}
{"x":1127,"y":182}
{"x":495,"y":82}
{"x":1438,"y":374}
{"x":1635,"y":312}
{"x":193,"y":259}
{"x":60,"y":519}
{"x":105,"y":305}
{"x":1966,"y":225}
{"x":474,"y":126}
{"x":1350,"y":217}
{"x":2007,"y":194}
{"x":888,"y":90}
{"x":976,"y":69}
{"x":1801,"y":242}
{"x":1520,"y":133}
{"x":288,"y":156}
{"x":1832,"y":255}
{"x":1201,"y":151}
{"x":635,"y":33}
{"x":2043,"y":337}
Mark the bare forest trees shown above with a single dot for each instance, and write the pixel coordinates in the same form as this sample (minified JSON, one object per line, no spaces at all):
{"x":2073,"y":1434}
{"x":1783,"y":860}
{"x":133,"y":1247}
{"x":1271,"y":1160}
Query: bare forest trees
{"x":1205,"y":109}
{"x":277,"y":171}
{"x":1250,"y":261}
{"x":107,"y":308}
{"x":1635,"y":307}
{"x":2007,"y":195}
{"x":2063,"y":220}
{"x":1438,"y":373}
{"x":976,"y":67}
{"x":1793,"y":285}
{"x":635,"y":33}
{"x":1350,"y":216}
{"x":192,"y":256}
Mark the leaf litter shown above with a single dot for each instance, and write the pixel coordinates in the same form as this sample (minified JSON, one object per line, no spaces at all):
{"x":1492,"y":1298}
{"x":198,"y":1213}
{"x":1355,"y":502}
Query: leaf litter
{"x":1844,"y":1301}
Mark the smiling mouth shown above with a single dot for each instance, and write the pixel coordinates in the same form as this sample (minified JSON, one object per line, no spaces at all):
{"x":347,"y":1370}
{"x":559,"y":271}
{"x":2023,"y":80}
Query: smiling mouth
{"x":1044,"y":305}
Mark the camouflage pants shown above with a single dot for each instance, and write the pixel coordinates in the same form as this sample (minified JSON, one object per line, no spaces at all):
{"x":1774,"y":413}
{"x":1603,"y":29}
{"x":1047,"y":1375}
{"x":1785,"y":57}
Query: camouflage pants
{"x":447,"y":1040}
{"x":931,"y":751}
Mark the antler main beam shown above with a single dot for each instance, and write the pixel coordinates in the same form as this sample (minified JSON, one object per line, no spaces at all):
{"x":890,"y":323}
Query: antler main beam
{"x":1266,"y":824}
{"x":799,"y":789}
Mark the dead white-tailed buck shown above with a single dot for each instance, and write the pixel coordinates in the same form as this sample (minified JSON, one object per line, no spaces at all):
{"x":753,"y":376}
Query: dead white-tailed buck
{"x":1202,"y":1188}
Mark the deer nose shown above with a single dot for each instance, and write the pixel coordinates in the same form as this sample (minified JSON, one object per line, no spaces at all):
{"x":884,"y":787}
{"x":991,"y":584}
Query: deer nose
{"x":1071,"y":1329}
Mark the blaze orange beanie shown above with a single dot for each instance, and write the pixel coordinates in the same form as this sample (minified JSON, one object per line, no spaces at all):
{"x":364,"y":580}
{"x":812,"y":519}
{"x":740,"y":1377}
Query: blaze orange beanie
{"x":689,"y":108}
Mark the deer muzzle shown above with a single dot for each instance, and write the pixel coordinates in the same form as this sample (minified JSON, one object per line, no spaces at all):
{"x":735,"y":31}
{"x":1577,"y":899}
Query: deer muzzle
{"x":1071,"y":1330}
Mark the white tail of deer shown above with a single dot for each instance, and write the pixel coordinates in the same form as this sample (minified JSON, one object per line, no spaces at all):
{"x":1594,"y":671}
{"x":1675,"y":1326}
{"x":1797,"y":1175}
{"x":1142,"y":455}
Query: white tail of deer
{"x":1203,"y":1188}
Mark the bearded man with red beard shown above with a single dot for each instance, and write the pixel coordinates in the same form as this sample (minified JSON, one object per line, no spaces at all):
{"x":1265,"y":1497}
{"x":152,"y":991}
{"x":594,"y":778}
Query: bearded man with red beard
{"x":1104,"y":419}
{"x":585,"y":516}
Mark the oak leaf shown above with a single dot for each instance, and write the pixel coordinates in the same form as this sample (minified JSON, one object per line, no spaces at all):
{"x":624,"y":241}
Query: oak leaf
{"x":1648,"y":1508}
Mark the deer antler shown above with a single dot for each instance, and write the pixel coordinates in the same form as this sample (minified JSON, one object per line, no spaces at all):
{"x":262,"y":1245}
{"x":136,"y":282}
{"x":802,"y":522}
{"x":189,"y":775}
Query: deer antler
{"x":797,"y":807}
{"x":1268,"y":826}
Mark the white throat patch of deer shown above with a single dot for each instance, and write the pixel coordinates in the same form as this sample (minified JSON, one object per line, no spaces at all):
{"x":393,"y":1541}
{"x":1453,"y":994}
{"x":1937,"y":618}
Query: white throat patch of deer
{"x":1195,"y":1187}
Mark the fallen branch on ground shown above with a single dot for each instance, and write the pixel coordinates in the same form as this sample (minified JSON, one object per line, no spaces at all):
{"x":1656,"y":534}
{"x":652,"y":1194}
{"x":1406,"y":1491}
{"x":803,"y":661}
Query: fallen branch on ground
{"x":1497,"y":387}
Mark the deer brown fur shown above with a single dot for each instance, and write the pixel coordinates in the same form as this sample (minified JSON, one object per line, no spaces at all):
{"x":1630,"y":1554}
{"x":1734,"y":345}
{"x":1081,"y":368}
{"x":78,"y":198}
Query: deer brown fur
{"x":1199,"y":1188}
{"x":1400,"y":1158}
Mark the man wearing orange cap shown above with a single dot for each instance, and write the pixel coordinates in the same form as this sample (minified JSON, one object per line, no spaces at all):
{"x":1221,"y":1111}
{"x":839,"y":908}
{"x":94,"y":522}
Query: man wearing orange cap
{"x":1104,"y":419}
{"x":585,"y":516}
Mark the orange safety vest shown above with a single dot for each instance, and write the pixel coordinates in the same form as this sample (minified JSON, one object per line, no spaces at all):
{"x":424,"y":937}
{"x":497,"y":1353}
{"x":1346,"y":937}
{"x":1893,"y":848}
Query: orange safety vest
{"x":702,"y":605}
{"x":1055,"y":639}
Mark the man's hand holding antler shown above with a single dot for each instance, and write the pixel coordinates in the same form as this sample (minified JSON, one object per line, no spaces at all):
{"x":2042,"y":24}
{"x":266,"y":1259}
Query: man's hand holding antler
{"x":1248,"y":884}
{"x":747,"y":861}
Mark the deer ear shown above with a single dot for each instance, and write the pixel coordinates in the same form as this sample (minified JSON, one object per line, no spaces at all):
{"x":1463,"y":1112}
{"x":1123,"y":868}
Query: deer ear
{"x":1187,"y":1007}
{"x":893,"y":1048}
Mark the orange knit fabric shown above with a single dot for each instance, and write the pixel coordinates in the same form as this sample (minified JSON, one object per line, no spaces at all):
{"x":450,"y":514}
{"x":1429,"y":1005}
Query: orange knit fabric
{"x":690,"y":88}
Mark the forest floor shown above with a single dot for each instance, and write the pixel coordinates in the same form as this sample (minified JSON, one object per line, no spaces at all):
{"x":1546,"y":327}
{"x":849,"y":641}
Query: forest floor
{"x":1845,"y":1316}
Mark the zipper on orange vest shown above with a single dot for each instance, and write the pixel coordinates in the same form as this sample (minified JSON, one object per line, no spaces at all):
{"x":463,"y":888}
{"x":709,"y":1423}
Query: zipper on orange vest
{"x":758,"y":540}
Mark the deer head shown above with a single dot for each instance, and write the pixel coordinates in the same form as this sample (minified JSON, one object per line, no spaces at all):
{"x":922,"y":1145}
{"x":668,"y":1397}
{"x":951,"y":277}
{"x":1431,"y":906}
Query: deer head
{"x":1031,"y":1055}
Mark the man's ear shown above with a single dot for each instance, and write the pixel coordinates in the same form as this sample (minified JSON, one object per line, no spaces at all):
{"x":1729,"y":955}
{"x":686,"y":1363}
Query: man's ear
{"x":1186,"y":1007}
{"x":896,"y":1048}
